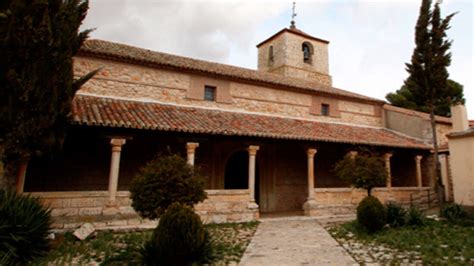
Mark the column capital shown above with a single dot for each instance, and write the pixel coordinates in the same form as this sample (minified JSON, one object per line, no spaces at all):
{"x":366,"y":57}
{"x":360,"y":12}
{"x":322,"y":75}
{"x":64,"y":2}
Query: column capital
{"x":191,"y":146}
{"x":117,"y":144}
{"x":418,"y":158}
{"x":311,"y":152}
{"x":387,"y":156}
{"x":252,"y":149}
{"x":353,"y":154}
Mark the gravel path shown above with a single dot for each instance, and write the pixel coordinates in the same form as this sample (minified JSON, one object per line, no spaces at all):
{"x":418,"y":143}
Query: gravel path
{"x":301,"y":241}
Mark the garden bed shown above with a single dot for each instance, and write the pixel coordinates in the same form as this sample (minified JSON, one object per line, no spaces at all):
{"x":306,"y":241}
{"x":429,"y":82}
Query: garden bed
{"x":107,"y":247}
{"x":436,"y":243}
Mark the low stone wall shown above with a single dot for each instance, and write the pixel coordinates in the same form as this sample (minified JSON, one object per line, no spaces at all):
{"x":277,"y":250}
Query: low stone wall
{"x":343,"y":201}
{"x":73,"y":208}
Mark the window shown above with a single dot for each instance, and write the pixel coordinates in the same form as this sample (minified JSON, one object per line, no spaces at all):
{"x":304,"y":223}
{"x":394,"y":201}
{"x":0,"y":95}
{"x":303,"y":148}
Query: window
{"x":325,"y":109}
{"x":270,"y":55}
{"x":307,"y":52}
{"x":209,"y":93}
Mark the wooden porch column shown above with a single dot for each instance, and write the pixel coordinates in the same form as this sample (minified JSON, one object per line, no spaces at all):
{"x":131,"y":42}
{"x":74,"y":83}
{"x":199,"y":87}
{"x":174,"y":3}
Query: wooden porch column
{"x":191,"y":151}
{"x":252,"y":150}
{"x":114,"y":168}
{"x":418,"y":171}
{"x":387,"y":157}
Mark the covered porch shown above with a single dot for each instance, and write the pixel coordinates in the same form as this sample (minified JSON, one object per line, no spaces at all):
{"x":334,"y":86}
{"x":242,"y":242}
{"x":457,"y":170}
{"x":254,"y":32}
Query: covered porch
{"x":257,"y":168}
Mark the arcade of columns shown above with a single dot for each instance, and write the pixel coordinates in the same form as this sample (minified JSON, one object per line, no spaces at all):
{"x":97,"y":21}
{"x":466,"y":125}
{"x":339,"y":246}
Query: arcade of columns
{"x":191,"y":147}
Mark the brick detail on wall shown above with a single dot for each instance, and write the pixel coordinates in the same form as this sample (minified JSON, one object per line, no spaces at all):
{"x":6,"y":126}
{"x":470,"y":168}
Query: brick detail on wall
{"x":196,"y":89}
{"x":317,"y":101}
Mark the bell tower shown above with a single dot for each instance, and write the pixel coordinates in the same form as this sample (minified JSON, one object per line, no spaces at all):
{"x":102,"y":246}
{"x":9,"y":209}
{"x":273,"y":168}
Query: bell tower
{"x":294,"y":53}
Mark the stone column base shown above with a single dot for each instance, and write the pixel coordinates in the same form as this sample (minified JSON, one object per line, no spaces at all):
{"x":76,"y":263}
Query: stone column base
{"x":310,"y":208}
{"x":253,"y":206}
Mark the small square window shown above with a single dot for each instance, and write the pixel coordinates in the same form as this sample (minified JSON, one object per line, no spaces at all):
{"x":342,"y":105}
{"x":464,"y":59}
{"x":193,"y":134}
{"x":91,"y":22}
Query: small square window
{"x":209,"y":93}
{"x":325,"y":109}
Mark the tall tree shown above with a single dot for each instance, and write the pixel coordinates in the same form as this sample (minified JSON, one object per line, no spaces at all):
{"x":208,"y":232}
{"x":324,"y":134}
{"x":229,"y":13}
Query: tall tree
{"x":404,"y":98}
{"x":428,"y":75}
{"x":38,"y":40}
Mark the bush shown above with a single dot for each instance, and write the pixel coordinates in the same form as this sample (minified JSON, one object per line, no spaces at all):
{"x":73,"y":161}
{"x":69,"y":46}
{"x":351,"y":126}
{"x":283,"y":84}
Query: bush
{"x":415,"y":217}
{"x":362,"y":172}
{"x":396,"y":215}
{"x":179,"y":239}
{"x":165,"y":180}
{"x":371,"y":214}
{"x":453,"y":212}
{"x":24,"y":227}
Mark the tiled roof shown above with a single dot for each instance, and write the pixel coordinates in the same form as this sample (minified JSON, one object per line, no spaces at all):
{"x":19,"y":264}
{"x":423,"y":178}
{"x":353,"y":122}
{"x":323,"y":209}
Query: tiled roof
{"x":122,"y":52}
{"x":461,"y":134}
{"x":294,"y":31}
{"x":111,"y":112}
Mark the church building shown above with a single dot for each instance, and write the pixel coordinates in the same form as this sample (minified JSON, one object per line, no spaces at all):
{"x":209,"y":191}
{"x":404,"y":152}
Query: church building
{"x":266,"y":140}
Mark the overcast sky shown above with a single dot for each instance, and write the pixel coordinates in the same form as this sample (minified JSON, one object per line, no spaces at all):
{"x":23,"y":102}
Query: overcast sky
{"x":370,"y":40}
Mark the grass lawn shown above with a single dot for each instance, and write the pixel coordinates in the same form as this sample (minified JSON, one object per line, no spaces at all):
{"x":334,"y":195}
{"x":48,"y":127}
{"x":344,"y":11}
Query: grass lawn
{"x":436,"y":243}
{"x":110,"y":248}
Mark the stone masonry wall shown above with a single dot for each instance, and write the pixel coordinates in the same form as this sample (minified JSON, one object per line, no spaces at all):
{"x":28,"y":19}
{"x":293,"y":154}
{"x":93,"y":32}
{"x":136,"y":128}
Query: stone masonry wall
{"x":343,"y":201}
{"x":71,"y":209}
{"x":288,"y":58}
{"x":143,"y":83}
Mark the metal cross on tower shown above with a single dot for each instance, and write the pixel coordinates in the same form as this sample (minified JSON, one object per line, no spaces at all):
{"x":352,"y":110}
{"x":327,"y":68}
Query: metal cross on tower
{"x":293,"y":15}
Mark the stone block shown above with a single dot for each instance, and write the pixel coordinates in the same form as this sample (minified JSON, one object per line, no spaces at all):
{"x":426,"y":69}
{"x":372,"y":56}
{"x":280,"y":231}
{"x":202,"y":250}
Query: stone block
{"x":64,"y":212}
{"x":117,"y":223}
{"x":71,"y":225}
{"x":133,"y":221}
{"x":90,"y":211}
{"x":126,"y":210}
{"x":110,"y":211}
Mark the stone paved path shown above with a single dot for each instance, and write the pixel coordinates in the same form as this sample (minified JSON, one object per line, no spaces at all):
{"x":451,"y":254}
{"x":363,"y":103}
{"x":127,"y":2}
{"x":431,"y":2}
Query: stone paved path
{"x":297,"y":241}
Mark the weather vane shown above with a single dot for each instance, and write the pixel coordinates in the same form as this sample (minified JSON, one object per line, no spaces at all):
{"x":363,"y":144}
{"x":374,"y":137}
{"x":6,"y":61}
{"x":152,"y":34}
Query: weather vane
{"x":293,"y":15}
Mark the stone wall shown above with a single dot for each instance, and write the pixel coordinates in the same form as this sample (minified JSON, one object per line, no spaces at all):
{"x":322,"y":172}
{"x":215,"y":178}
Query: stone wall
{"x":73,"y":208}
{"x":416,"y":125}
{"x":343,"y":201}
{"x":136,"y":82}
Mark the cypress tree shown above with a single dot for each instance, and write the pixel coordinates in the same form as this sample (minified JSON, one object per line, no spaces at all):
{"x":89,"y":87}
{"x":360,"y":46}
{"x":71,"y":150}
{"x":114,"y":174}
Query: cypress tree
{"x":428,"y":86}
{"x":38,"y":40}
{"x":428,"y":75}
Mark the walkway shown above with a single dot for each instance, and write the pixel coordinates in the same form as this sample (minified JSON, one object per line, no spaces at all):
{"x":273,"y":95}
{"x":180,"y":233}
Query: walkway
{"x":294,"y":241}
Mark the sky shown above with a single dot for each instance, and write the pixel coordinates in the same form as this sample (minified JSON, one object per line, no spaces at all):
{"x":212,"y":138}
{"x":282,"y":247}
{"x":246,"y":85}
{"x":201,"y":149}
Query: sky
{"x":370,"y":40}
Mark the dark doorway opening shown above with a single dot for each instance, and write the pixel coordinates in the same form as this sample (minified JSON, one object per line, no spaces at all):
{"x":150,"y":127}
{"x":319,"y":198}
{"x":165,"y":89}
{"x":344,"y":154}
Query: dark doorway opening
{"x":236,"y":173}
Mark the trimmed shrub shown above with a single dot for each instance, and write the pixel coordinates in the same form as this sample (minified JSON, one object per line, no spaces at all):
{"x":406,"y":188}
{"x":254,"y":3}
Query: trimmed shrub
{"x":453,"y":211}
{"x":162,"y":181}
{"x":24,"y":227}
{"x":396,"y":215}
{"x":371,"y":214}
{"x":415,"y":217}
{"x":179,"y":239}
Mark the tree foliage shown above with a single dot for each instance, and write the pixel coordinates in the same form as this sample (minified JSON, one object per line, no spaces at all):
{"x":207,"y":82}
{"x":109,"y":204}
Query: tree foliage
{"x":24,"y":227}
{"x":362,"y":171}
{"x":163,"y":181}
{"x":404,"y":98}
{"x":38,"y":39}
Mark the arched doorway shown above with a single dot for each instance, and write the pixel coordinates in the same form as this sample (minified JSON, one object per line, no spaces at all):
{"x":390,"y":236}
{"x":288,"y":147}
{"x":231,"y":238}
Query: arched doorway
{"x":236,"y":173}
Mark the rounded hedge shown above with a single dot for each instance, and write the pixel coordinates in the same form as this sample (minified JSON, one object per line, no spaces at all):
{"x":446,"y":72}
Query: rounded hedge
{"x":371,"y":214}
{"x":162,"y":181}
{"x":179,"y":239}
{"x":24,"y":227}
{"x":396,"y":215}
